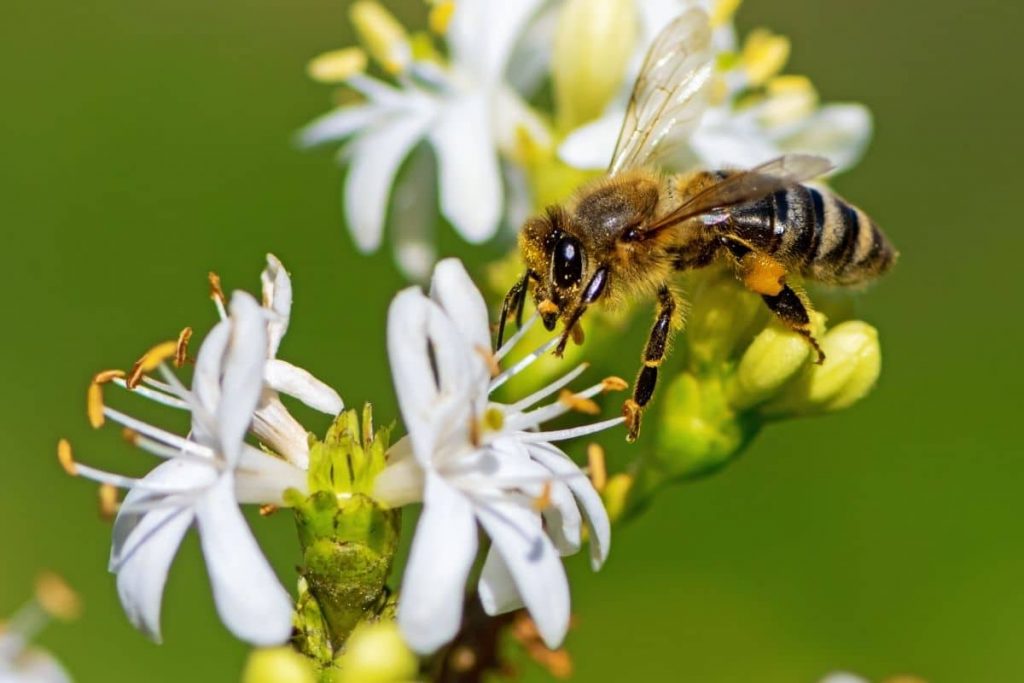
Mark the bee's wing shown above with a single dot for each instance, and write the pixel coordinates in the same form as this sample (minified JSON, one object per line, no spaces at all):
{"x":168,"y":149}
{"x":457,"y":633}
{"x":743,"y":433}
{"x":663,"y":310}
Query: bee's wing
{"x":748,"y":186}
{"x":670,"y":93}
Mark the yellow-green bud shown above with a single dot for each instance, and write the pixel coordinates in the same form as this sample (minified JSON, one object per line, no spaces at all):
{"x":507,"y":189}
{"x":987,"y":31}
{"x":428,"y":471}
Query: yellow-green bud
{"x":384,"y":37}
{"x":774,"y":358}
{"x":592,"y":49}
{"x":376,"y":653}
{"x":277,"y":665}
{"x":723,"y":315}
{"x":853,"y":361}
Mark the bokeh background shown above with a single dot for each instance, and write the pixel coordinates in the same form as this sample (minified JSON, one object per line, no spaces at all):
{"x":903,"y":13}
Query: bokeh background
{"x":145,"y":143}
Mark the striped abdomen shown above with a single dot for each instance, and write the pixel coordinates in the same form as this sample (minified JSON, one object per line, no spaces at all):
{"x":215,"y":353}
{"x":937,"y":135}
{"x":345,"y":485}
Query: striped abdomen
{"x":817,"y":234}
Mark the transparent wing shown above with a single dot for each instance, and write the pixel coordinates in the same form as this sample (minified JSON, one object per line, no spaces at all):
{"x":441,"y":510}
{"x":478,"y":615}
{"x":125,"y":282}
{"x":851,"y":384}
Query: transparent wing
{"x":748,"y":186}
{"x":670,"y":93}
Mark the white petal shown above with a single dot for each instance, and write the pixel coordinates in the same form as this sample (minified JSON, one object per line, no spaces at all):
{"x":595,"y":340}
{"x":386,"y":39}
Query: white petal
{"x":144,"y":544}
{"x":590,"y":146}
{"x":34,"y":666}
{"x":411,"y":371}
{"x":250,"y":599}
{"x":482,"y":34}
{"x":443,"y":550}
{"x":467,"y":161}
{"x":375,"y":158}
{"x":497,"y":589}
{"x":293,"y":381}
{"x":536,"y":568}
{"x":842,"y":677}
{"x":726,"y":140}
{"x":206,"y":380}
{"x":338,"y":125}
{"x":262,"y":479}
{"x":453,"y":289}
{"x":242,"y":379}
{"x":277,"y":429}
{"x":402,"y":480}
{"x":840,"y":132}
{"x":277,"y":297}
{"x":414,"y":214}
{"x":590,"y":501}
{"x":562,"y":520}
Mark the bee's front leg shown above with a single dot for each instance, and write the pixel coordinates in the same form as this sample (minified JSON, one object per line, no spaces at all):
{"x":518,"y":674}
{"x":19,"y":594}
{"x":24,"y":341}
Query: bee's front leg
{"x":654,"y":354}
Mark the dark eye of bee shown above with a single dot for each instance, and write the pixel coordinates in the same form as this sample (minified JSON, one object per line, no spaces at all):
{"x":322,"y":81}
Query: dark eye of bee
{"x":567,"y":262}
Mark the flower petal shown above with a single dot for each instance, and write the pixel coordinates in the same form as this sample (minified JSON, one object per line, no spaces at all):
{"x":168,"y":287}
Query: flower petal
{"x":590,"y":501}
{"x":453,"y":290}
{"x":249,"y":598}
{"x":497,"y":588}
{"x":34,"y":666}
{"x":274,"y":426}
{"x":482,"y":34}
{"x":443,"y":550}
{"x":534,"y":564}
{"x":338,"y":125}
{"x":277,"y":297}
{"x":242,"y":379}
{"x":206,"y":381}
{"x":262,"y":479}
{"x":840,"y":132}
{"x":411,"y":371}
{"x":402,"y":480}
{"x":375,"y":158}
{"x":725,"y":139}
{"x":293,"y":381}
{"x":467,"y":162}
{"x":590,"y":147}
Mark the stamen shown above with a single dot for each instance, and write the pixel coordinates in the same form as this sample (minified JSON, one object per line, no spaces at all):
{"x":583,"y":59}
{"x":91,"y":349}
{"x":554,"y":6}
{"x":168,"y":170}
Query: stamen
{"x":543,"y":501}
{"x":181,"y":352}
{"x":578,"y":403}
{"x":521,"y":365}
{"x":563,"y":434}
{"x":150,"y":361}
{"x":440,"y":16}
{"x":66,"y":458}
{"x":490,"y":359}
{"x":55,"y":597}
{"x":614,"y":384}
{"x":109,"y":503}
{"x":549,"y":389}
{"x":158,"y":396}
{"x":217,"y":294}
{"x":158,"y":434}
{"x":337,"y":66}
{"x":94,"y":396}
{"x":514,"y":339}
{"x":538,"y":416}
{"x":596,"y":466}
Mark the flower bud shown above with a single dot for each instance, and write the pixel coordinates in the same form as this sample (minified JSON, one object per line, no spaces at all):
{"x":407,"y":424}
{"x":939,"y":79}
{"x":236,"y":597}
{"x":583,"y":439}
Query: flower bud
{"x":277,"y":665}
{"x":376,"y":653}
{"x":774,"y":358}
{"x":592,"y":49}
{"x":723,"y":315}
{"x":853,"y":361}
{"x":384,"y":37}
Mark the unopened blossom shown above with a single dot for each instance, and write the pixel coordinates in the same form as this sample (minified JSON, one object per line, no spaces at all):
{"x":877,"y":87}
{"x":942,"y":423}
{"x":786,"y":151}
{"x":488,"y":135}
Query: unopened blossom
{"x":473,"y":461}
{"x":756,"y":113}
{"x":462,"y":106}
{"x":20,"y":662}
{"x":203,"y":479}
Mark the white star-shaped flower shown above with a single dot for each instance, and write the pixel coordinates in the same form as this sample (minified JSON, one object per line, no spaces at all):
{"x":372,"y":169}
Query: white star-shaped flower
{"x":474,"y":461}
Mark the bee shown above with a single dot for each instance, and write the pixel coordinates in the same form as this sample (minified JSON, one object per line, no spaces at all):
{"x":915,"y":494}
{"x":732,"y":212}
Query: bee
{"x":625,"y":235}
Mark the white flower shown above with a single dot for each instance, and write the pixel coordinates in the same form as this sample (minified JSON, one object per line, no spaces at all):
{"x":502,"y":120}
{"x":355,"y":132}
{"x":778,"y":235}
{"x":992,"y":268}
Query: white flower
{"x":755,"y":115}
{"x":842,"y":677}
{"x":472,"y":460}
{"x":203,"y":479}
{"x":463,"y":108}
{"x":21,"y":663}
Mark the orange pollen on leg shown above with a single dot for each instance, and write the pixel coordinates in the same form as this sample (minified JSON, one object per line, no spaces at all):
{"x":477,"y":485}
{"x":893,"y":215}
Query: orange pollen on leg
{"x":150,"y":361}
{"x":215,"y":289}
{"x":541,"y":502}
{"x":596,"y":466}
{"x":490,"y":359}
{"x":546,"y":307}
{"x":614,"y":384}
{"x":65,"y":457}
{"x":181,"y":350}
{"x":109,"y":503}
{"x":764,"y":275}
{"x":578,"y":403}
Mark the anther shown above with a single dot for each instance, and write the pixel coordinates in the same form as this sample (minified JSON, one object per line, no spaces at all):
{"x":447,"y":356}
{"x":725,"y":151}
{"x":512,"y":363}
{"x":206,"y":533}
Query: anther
{"x":268,"y":509}
{"x":181,"y":350}
{"x":578,"y":403}
{"x":440,"y":16}
{"x":150,"y":361}
{"x":577,"y":334}
{"x":94,"y":397}
{"x":130,"y":435}
{"x":543,"y":501}
{"x":216,"y":293}
{"x":56,"y":597}
{"x":65,"y":457}
{"x":492,"y":361}
{"x":108,"y":501}
{"x":614,"y":384}
{"x":596,"y":466}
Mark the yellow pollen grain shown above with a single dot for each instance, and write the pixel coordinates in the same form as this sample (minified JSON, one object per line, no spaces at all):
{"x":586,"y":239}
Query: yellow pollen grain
{"x":596,"y":466}
{"x":440,"y":16}
{"x":543,"y":501}
{"x":578,"y":403}
{"x":150,"y":361}
{"x":94,"y":405}
{"x":614,"y":383}
{"x":216,"y":292}
{"x":492,"y":362}
{"x":181,"y":349}
{"x":108,"y":501}
{"x":547,"y":307}
{"x":337,"y":66}
{"x":65,"y":457}
{"x":56,"y":597}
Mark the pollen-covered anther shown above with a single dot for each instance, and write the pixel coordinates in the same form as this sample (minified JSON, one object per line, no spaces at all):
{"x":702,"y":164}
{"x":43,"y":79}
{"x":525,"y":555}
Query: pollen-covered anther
{"x":181,"y":351}
{"x":614,"y":384}
{"x":337,"y":66}
{"x":130,"y":435}
{"x":543,"y":501}
{"x":94,"y":397}
{"x":56,"y":597}
{"x":150,"y":361}
{"x":596,"y":466}
{"x":547,"y":307}
{"x":268,"y":509}
{"x":578,"y":403}
{"x":492,"y":361}
{"x":66,"y":458}
{"x":108,"y":501}
{"x":441,"y":15}
{"x":216,"y":292}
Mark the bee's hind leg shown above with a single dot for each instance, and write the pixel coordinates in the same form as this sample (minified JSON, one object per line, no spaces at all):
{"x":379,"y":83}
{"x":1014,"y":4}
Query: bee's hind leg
{"x":793,"y":312}
{"x":654,"y":354}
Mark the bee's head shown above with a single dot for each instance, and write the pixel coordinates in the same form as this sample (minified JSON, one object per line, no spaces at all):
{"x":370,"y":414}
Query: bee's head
{"x":553,"y":250}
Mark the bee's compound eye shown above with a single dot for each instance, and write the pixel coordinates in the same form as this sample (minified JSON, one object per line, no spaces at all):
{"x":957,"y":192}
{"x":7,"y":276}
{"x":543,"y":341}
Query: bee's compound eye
{"x":567,"y":262}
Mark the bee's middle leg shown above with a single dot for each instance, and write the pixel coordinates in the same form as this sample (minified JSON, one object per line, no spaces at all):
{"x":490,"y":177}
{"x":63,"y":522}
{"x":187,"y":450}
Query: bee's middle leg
{"x":654,"y":354}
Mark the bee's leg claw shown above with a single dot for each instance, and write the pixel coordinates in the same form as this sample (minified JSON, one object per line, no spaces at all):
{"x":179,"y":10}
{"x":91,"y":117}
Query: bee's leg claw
{"x":632,"y":411}
{"x":792,"y":311}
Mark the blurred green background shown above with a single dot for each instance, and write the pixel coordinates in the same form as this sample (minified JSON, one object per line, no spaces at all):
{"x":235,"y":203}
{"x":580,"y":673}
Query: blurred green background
{"x":146,"y":143}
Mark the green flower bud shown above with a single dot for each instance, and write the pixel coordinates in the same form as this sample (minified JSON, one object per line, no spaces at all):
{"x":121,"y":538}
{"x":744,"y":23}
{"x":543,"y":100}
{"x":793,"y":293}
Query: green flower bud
{"x":723,"y":315}
{"x":853,"y":361}
{"x":592,"y":49}
{"x":775,"y":357}
{"x":277,"y":665}
{"x":376,"y":653}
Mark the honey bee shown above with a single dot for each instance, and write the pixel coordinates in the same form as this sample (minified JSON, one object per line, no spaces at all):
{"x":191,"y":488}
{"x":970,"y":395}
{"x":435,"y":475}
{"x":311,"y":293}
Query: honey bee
{"x":625,"y":235}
